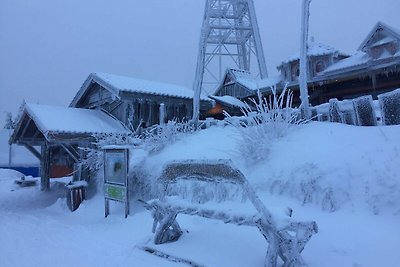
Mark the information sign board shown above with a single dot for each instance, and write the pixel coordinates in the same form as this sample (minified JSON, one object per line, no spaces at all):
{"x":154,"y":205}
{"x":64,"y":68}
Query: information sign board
{"x":116,"y":177}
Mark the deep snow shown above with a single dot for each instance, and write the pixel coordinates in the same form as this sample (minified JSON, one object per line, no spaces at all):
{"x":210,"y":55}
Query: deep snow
{"x":317,"y":168}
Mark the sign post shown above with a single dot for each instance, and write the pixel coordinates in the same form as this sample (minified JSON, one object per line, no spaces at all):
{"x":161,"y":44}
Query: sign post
{"x":116,"y":177}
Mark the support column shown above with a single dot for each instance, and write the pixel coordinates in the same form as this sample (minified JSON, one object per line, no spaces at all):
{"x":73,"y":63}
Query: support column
{"x":45,"y":168}
{"x":162,"y":114}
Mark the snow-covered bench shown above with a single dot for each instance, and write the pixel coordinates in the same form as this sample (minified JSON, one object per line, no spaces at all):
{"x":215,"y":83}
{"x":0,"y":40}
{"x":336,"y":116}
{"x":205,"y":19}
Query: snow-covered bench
{"x":286,"y":239}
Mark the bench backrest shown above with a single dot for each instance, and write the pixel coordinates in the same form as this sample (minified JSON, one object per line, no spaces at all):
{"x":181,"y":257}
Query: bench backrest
{"x":215,"y":171}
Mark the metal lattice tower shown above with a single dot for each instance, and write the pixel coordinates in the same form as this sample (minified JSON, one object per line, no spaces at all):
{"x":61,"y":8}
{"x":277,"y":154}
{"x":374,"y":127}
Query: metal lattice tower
{"x":229,"y":39}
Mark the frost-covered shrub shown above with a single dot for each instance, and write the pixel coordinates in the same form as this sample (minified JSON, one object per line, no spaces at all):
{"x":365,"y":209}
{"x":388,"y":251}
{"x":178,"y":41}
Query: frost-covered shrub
{"x":382,"y":192}
{"x":142,"y":183}
{"x":94,"y":159}
{"x":10,"y":123}
{"x":263,"y":122}
{"x":308,"y":184}
{"x":157,"y":137}
{"x":390,"y":107}
{"x":364,"y":110}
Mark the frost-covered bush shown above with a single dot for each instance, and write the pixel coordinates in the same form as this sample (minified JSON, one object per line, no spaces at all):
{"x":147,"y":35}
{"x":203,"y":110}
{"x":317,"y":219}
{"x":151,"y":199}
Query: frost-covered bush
{"x":10,"y":123}
{"x":378,"y":190}
{"x":157,"y":137}
{"x":263,"y":122}
{"x":94,"y":159}
{"x":308,"y":184}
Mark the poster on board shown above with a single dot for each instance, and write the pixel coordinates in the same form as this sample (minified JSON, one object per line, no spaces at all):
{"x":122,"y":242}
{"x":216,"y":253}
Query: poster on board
{"x":115,"y":167}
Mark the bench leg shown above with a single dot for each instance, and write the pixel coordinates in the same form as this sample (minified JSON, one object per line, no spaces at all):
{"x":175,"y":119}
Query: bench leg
{"x":286,"y":246}
{"x":272,"y":251}
{"x":272,"y":254}
{"x":168,"y":229}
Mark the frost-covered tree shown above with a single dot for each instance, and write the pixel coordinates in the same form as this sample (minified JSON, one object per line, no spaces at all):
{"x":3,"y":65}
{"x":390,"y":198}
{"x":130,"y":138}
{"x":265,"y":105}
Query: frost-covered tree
{"x":9,"y":124}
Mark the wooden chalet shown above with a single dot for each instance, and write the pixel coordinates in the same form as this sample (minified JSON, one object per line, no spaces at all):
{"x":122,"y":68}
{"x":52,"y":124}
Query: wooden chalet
{"x":104,"y":104}
{"x":241,"y":85}
{"x":237,"y":87}
{"x":137,"y":102}
{"x":373,"y":69}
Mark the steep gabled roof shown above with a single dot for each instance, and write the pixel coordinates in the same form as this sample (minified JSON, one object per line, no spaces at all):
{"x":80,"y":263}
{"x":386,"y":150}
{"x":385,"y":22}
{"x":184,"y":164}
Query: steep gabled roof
{"x":391,"y":33}
{"x":117,"y":84}
{"x":245,"y":79}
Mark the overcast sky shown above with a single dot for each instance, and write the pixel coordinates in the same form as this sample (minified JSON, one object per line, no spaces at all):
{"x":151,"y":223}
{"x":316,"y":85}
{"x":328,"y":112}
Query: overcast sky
{"x":49,"y":47}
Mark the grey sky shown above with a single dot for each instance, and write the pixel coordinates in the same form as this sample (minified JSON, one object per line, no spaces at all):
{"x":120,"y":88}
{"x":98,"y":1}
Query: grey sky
{"x":48,"y":47}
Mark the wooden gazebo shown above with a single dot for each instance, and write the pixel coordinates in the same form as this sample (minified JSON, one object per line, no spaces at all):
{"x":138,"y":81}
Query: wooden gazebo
{"x":59,"y":132}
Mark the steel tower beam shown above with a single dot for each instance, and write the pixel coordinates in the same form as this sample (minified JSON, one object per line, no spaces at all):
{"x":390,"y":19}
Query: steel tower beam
{"x":229,"y":38}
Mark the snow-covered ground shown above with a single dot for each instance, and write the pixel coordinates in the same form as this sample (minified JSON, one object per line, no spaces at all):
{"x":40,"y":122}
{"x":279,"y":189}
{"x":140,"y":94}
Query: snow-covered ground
{"x":345,"y":178}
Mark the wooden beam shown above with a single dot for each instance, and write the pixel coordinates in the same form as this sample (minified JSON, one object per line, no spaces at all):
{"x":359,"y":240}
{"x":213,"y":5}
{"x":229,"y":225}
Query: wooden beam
{"x":72,"y":152}
{"x":25,"y":127}
{"x":33,"y":151}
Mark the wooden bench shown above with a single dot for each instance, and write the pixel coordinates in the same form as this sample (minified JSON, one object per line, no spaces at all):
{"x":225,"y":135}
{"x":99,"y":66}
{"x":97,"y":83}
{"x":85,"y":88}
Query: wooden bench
{"x":286,"y":241}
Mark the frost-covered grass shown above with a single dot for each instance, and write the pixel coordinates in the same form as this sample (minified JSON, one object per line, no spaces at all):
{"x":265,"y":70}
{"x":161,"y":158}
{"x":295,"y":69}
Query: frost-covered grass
{"x":346,"y":178}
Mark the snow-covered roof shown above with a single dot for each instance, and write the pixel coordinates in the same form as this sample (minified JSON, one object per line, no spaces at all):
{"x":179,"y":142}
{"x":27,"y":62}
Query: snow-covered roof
{"x":255,"y":84}
{"x":316,"y":49}
{"x":380,"y":26}
{"x":230,"y":100}
{"x":361,"y":60}
{"x":117,"y":84}
{"x":54,"y":119}
{"x":357,"y":59}
{"x":244,"y":78}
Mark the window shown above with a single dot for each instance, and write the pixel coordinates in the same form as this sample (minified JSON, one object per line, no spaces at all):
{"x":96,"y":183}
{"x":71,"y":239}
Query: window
{"x":391,"y":48}
{"x":376,"y":52}
{"x":319,"y":66}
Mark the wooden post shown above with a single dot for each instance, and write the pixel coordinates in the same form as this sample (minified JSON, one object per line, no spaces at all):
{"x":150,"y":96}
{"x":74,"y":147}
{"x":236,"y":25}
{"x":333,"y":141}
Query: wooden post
{"x":149,"y":120}
{"x":45,"y":168}
{"x":162,"y":114}
{"x":306,"y":114}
